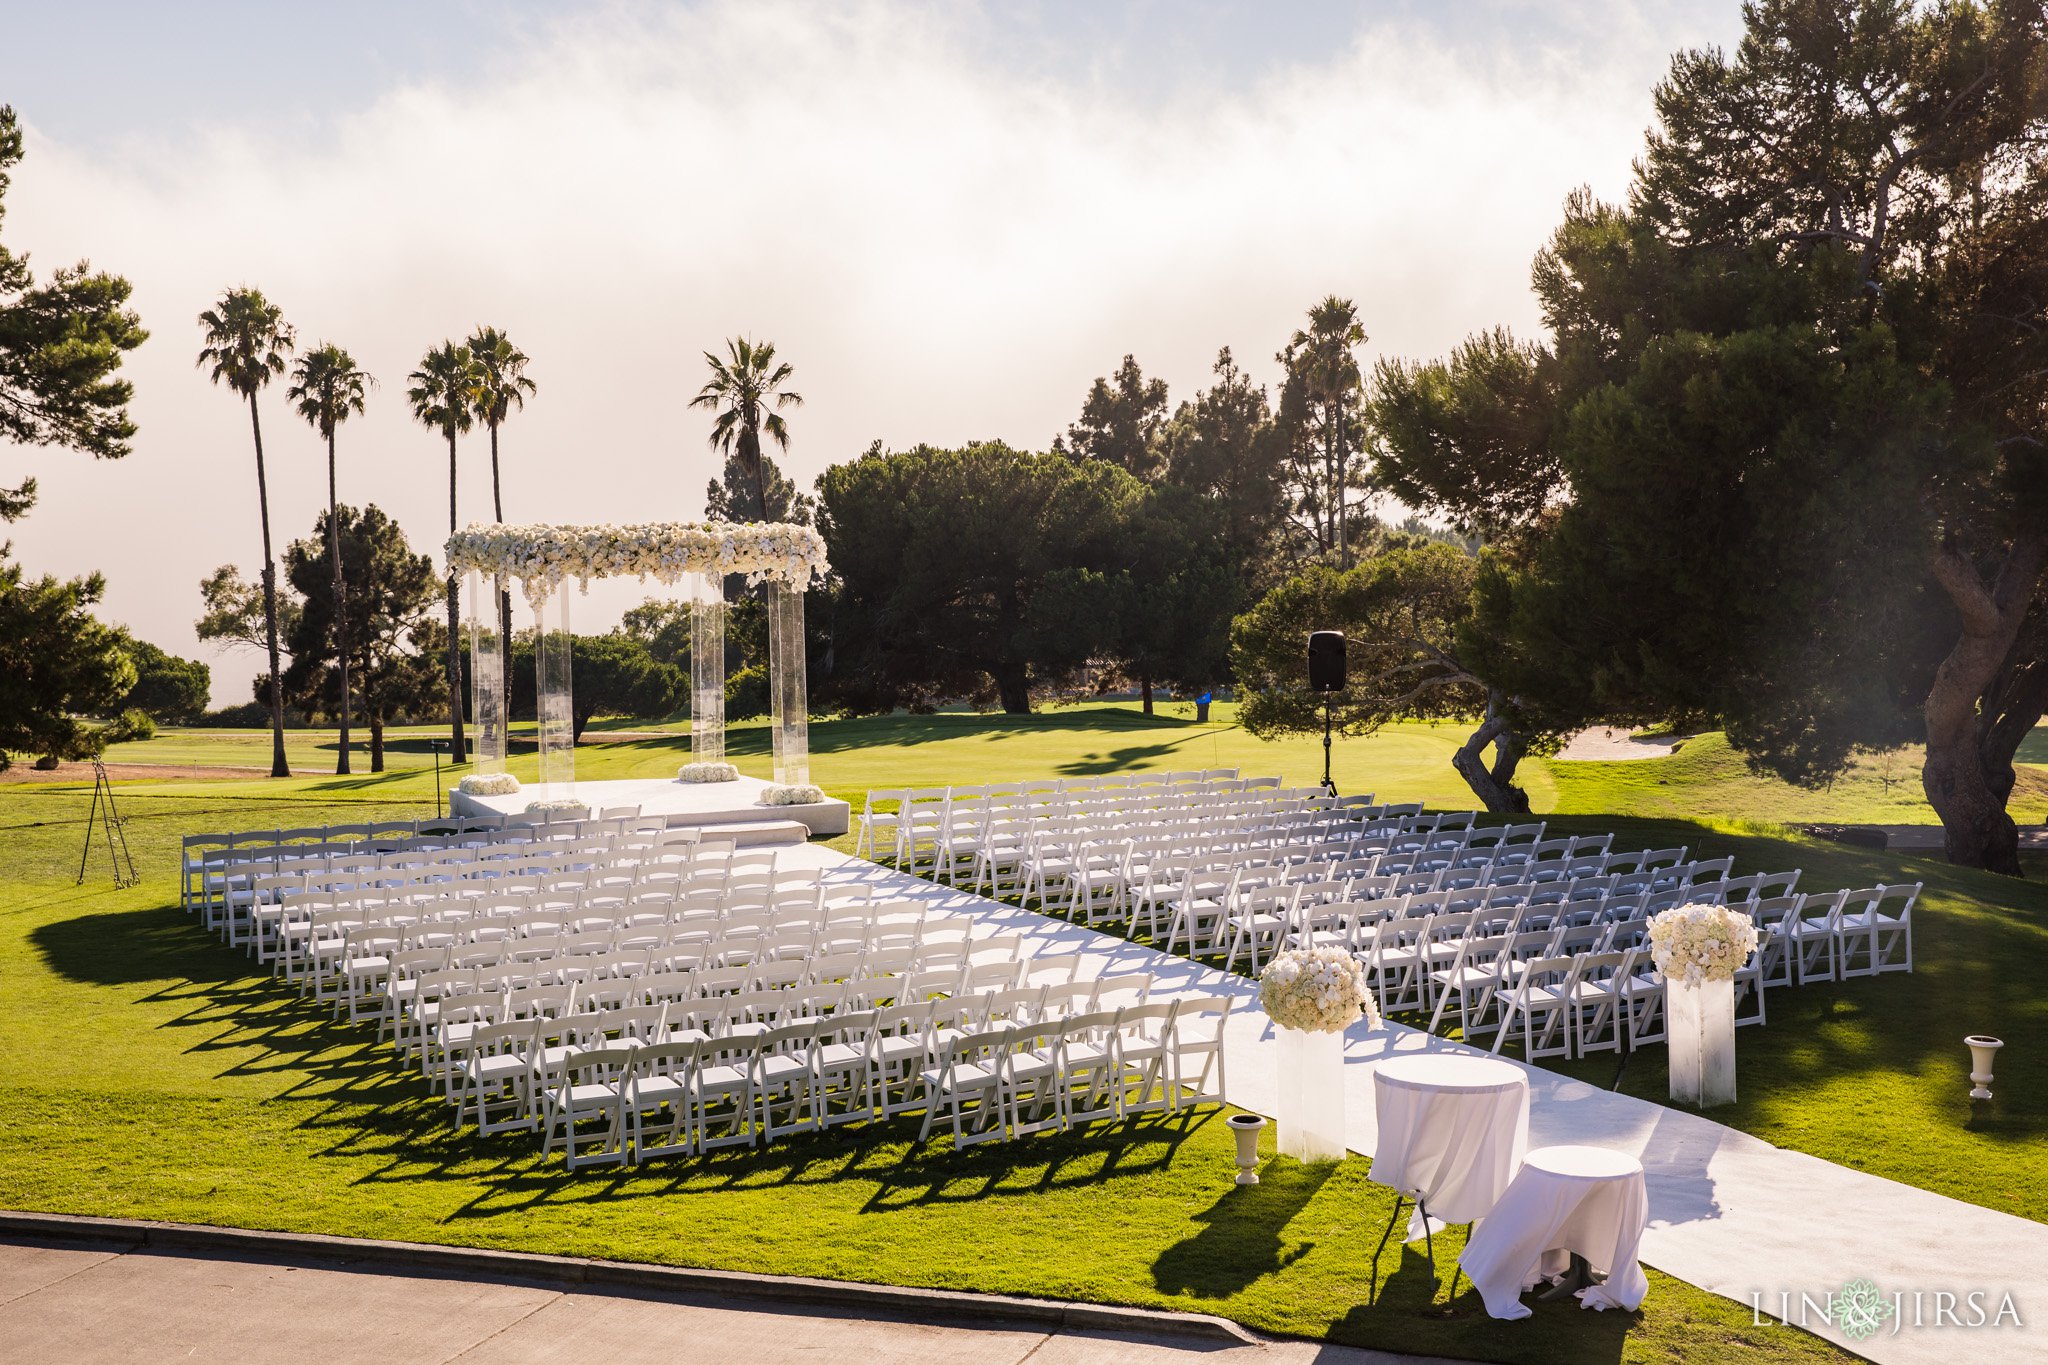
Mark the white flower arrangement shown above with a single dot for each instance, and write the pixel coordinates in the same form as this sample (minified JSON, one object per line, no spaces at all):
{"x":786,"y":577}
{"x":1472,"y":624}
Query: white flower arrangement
{"x":557,"y":807}
{"x":488,"y":784}
{"x":707,"y":772}
{"x":543,"y":558}
{"x":798,"y":794}
{"x":1697,"y":943}
{"x":1316,"y":990}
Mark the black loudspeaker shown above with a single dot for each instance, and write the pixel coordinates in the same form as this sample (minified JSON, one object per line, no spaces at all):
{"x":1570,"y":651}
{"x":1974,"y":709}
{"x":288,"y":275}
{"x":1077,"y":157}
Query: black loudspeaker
{"x":1326,"y":661}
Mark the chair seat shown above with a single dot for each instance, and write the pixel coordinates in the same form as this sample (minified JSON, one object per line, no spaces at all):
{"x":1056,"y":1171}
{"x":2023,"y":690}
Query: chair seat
{"x":965,"y":1075}
{"x":594,"y":1096}
{"x":497,"y":1066}
{"x":718,"y":1078}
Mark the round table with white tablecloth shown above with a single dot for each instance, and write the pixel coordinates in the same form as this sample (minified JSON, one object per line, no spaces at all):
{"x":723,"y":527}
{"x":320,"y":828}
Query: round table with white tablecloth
{"x":1452,"y":1129}
{"x":1564,"y":1200}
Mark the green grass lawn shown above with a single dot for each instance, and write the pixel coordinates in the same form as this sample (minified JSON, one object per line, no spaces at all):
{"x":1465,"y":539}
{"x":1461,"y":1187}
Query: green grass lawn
{"x":150,"y":1074}
{"x":1705,"y":779}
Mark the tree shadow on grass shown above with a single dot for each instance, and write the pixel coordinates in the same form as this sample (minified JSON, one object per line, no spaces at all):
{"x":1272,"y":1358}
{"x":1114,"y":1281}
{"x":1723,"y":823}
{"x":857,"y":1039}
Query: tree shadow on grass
{"x":870,"y":732}
{"x":1118,"y":760}
{"x":134,"y":947}
{"x":1240,"y":1241}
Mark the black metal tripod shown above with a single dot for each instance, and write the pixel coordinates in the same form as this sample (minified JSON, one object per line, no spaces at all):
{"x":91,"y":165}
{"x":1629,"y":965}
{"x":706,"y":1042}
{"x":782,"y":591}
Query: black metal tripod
{"x":103,"y":812}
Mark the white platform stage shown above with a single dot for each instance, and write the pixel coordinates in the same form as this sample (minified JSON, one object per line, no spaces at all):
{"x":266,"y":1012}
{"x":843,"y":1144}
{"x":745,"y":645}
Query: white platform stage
{"x":682,"y":803}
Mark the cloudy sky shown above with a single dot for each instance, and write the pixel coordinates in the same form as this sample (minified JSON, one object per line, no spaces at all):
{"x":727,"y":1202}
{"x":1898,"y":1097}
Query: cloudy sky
{"x":948,"y":217}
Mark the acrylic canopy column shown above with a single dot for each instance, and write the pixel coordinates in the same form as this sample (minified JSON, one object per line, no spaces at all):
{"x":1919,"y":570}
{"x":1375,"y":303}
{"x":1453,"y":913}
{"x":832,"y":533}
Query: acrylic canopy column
{"x":554,"y":707}
{"x":707,"y":668}
{"x":487,"y":672}
{"x":788,"y":693}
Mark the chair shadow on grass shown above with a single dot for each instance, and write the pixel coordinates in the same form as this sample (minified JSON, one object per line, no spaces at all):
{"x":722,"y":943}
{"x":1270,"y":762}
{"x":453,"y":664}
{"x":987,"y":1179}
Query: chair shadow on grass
{"x":367,"y":1106}
{"x":1240,"y":1241}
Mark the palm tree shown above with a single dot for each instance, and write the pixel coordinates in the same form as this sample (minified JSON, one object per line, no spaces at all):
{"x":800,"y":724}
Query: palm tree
{"x":502,"y":385}
{"x":745,"y":387}
{"x":246,"y":342}
{"x":442,"y":392}
{"x":328,"y":385}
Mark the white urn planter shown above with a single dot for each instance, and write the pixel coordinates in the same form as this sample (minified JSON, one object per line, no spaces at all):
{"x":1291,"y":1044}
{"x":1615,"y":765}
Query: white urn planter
{"x":1983,"y":1049}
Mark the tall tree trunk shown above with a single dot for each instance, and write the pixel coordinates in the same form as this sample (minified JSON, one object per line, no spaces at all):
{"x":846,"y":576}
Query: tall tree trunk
{"x":1966,"y":778}
{"x":278,"y":766}
{"x":1145,"y":692}
{"x":1013,"y":685}
{"x":1494,"y":785}
{"x":456,"y":750}
{"x":504,"y":605}
{"x":340,"y":600}
{"x":750,"y":456}
{"x":1334,"y":436}
{"x":376,"y":739}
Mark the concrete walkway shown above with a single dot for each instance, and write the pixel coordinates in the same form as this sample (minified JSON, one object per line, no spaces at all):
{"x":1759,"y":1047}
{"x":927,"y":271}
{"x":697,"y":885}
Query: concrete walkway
{"x":87,"y":1305}
{"x":1728,"y":1212}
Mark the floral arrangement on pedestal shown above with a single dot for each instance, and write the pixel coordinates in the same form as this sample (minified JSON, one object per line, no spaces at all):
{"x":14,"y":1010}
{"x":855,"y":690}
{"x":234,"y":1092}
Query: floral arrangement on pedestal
{"x":1693,"y":944}
{"x":488,"y":784}
{"x":707,"y":772}
{"x":556,"y":807}
{"x":543,"y":558}
{"x":1316,"y":990}
{"x":794,"y":794}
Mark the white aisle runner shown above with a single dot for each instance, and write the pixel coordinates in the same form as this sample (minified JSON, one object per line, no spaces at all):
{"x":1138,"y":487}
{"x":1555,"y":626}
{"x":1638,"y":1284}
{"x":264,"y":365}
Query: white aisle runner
{"x":1728,"y":1212}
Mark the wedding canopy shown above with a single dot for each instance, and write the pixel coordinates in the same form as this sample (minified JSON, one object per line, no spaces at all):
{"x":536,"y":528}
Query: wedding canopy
{"x":541,"y":559}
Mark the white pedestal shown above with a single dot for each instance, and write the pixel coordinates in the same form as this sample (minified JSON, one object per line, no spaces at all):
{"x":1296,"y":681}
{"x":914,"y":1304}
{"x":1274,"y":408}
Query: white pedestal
{"x":1310,"y":1107}
{"x":1700,"y":1023}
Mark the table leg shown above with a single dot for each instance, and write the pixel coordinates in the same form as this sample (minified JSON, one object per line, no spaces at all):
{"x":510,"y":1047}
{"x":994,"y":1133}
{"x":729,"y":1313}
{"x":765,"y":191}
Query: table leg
{"x":1372,"y":1290}
{"x":1576,"y":1277}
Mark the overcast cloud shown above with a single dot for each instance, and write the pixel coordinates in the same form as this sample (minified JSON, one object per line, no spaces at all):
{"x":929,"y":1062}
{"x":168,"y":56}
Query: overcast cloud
{"x":948,"y":235}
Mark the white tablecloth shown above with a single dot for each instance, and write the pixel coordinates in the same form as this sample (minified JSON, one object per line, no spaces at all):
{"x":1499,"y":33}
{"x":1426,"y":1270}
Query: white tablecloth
{"x":1452,"y":1132}
{"x":1564,"y":1199}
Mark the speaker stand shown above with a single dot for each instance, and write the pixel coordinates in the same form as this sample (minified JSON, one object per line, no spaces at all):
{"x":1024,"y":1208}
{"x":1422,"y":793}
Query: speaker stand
{"x":1328,"y":784}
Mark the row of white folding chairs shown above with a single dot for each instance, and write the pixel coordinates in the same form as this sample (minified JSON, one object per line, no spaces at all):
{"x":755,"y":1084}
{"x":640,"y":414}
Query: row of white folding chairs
{"x":1838,"y":935}
{"x":415,"y":1008}
{"x":374,"y":960}
{"x":226,"y":896}
{"x":1138,"y":879}
{"x":450,"y":1027}
{"x":713,"y":867}
{"x":1109,"y":859}
{"x":284,"y":928}
{"x":956,"y":841}
{"x":918,"y":809}
{"x":222,"y":854}
{"x":316,"y":949}
{"x":376,"y":954}
{"x":999,"y":1081}
{"x":719,"y":1003}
